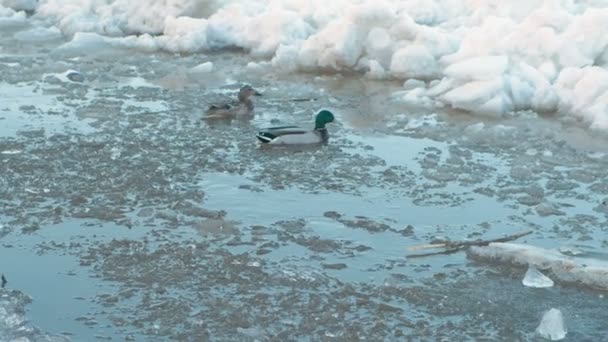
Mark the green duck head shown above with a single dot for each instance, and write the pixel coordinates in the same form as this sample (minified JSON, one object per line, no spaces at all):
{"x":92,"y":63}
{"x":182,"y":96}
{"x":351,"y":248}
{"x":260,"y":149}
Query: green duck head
{"x":323,"y":117}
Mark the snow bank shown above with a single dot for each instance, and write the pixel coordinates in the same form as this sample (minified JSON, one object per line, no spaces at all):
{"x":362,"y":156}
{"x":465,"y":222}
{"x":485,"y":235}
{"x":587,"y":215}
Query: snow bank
{"x":10,"y":17}
{"x":589,"y":272}
{"x":485,"y":56}
{"x":38,"y":34}
{"x":20,"y":5}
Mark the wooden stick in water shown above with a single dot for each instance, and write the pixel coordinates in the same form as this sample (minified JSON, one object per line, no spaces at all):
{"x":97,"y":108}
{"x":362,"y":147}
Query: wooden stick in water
{"x":299,"y":99}
{"x":455,"y":246}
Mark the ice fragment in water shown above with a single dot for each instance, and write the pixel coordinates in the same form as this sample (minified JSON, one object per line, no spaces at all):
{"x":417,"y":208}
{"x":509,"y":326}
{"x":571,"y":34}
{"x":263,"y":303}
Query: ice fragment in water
{"x":551,"y":326}
{"x":570,"y":251}
{"x":11,"y":152}
{"x":203,"y":68}
{"x":535,"y":278}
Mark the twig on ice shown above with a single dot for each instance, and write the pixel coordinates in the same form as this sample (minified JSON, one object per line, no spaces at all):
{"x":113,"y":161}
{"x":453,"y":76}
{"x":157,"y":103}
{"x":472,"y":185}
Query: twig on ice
{"x":455,"y":246}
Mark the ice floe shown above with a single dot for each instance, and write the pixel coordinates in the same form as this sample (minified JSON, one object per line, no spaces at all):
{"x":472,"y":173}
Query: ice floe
{"x":585,"y":271}
{"x":535,"y":278}
{"x":551,"y":326}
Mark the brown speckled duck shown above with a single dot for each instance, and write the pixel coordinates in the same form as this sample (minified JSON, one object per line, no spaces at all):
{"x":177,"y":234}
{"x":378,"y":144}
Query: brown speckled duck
{"x":241,"y":108}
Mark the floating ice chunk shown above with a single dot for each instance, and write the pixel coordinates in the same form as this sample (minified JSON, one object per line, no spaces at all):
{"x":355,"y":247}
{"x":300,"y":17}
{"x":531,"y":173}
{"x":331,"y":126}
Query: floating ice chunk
{"x":416,"y":98}
{"x":258,"y":66}
{"x":570,"y":251}
{"x":535,"y":278}
{"x":251,"y":332}
{"x":115,"y":153}
{"x":38,"y":34}
{"x":253,"y":66}
{"x":551,"y":326}
{"x":86,"y":44}
{"x":586,"y":271}
{"x":475,"y":128}
{"x":139,"y":82}
{"x":424,"y":121}
{"x":203,"y":68}
{"x":254,"y":264}
{"x":11,"y":152}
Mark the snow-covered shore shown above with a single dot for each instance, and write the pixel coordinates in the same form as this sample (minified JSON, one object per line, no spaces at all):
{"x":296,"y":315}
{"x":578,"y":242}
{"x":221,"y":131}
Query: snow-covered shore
{"x":482,"y":56}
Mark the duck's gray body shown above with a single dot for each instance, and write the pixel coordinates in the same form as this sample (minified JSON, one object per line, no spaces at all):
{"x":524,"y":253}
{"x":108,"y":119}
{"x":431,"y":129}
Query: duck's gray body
{"x":294,"y":135}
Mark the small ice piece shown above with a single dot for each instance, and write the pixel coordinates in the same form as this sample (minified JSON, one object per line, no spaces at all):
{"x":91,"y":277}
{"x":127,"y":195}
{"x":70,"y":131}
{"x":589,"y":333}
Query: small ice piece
{"x":535,"y":278}
{"x":11,"y":152}
{"x":551,"y":326}
{"x":115,"y":153}
{"x":531,"y":152}
{"x":74,"y":76}
{"x":253,"y":66}
{"x":203,"y":68}
{"x":258,"y":66}
{"x":570,"y":251}
{"x":254,"y":264}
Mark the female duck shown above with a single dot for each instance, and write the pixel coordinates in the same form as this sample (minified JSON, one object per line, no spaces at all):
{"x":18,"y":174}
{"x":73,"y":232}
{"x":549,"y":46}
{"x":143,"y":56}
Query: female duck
{"x":293,"y":135}
{"x":242,"y":107}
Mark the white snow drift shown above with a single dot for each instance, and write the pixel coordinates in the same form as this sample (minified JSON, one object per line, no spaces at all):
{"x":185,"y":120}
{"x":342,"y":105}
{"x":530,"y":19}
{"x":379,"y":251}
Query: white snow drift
{"x":485,"y":56}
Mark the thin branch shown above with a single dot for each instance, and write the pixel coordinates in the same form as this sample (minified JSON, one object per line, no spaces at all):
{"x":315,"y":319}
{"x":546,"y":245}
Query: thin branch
{"x":302,"y":99}
{"x":455,"y":246}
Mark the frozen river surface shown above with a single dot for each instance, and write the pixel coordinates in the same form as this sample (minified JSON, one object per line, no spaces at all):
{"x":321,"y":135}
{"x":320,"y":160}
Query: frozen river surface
{"x":124,"y":216}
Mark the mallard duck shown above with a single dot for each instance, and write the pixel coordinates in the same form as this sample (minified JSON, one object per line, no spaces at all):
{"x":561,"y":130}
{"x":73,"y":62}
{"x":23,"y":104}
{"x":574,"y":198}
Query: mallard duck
{"x":240,"y":108}
{"x":294,"y":135}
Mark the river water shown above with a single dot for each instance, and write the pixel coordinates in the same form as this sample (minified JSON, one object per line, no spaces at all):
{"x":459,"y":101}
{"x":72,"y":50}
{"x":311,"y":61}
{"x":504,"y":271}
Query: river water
{"x":125,"y":217}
